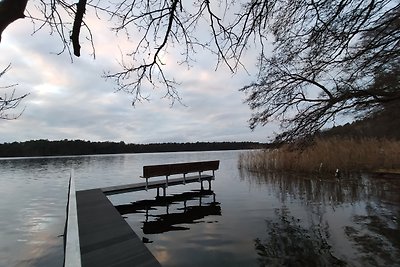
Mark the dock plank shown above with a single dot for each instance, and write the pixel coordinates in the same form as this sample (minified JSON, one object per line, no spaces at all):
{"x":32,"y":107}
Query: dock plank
{"x":105,"y":237}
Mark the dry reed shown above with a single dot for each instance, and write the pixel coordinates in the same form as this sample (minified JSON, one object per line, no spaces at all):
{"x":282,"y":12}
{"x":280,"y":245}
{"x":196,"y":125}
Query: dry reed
{"x":327,"y":155}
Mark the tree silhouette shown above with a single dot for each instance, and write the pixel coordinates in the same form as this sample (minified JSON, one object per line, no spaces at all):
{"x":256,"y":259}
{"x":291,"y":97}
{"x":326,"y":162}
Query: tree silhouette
{"x":9,"y":101}
{"x":326,"y":59}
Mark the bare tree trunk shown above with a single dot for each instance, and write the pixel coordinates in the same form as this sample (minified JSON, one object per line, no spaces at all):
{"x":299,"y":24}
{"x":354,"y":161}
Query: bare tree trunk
{"x":10,"y":11}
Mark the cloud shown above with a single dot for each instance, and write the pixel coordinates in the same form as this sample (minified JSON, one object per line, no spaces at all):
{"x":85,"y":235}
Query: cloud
{"x":72,"y":100}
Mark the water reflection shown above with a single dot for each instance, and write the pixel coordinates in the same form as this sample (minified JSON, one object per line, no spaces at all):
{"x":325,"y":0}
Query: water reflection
{"x":376,"y":235}
{"x":188,"y":208}
{"x":328,"y":191}
{"x":290,"y":244}
{"x":32,"y":210}
{"x":326,"y":221}
{"x":330,"y":222}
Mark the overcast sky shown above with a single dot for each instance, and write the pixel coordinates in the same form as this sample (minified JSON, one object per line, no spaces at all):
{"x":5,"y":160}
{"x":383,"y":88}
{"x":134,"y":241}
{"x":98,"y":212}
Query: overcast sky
{"x":72,"y":101}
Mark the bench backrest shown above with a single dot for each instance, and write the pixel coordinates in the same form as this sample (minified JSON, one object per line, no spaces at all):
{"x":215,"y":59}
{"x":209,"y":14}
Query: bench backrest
{"x":179,"y":168}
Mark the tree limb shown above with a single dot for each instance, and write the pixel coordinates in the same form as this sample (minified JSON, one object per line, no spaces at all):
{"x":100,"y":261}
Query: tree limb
{"x":9,"y":101}
{"x":10,"y":11}
{"x":80,"y":11}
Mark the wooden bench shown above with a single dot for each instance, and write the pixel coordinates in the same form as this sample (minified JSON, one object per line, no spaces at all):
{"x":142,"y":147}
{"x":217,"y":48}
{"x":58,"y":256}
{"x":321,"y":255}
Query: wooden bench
{"x":181,"y":168}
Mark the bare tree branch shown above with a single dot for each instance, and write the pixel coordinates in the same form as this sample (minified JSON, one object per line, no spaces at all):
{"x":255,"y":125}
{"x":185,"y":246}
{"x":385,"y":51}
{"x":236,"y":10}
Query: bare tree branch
{"x":80,"y":11}
{"x":8,"y":100}
{"x":10,"y":11}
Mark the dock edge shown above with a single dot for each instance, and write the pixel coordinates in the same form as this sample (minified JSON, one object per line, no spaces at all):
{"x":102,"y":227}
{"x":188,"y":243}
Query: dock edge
{"x":72,"y":253}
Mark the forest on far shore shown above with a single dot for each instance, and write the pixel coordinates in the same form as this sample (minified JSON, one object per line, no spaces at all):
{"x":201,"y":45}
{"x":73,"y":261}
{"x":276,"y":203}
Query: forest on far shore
{"x":35,"y":148}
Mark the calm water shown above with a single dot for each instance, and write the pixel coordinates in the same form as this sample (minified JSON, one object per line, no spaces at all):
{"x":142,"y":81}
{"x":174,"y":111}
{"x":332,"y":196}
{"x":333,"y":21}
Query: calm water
{"x":245,"y":220}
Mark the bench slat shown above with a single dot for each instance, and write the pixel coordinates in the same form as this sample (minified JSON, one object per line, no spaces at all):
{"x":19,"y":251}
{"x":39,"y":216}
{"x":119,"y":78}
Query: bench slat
{"x":179,"y":168}
{"x":156,"y":170}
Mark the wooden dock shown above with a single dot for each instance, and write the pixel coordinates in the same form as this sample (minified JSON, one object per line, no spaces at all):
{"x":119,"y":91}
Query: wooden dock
{"x":97,"y":235}
{"x":101,"y":236}
{"x":105,"y":237}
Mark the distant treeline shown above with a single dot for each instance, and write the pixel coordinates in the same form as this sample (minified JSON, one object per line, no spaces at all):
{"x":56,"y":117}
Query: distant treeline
{"x":79,"y":147}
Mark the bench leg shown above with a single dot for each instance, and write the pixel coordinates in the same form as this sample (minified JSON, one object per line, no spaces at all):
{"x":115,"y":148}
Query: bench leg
{"x":209,"y":184}
{"x":158,"y":191}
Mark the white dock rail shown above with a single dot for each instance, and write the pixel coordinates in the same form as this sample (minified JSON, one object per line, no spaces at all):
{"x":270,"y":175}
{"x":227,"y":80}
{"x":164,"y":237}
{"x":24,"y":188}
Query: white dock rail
{"x":72,"y":257}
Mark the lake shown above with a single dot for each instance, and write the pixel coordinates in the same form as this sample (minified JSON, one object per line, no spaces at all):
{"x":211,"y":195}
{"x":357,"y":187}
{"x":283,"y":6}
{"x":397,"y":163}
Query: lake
{"x":244,"y":220}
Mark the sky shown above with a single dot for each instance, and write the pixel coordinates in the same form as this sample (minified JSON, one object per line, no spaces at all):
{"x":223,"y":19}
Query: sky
{"x":71,"y":100}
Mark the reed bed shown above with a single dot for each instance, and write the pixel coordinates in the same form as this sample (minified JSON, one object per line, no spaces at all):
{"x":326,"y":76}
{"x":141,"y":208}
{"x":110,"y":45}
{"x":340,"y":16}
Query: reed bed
{"x":327,"y":155}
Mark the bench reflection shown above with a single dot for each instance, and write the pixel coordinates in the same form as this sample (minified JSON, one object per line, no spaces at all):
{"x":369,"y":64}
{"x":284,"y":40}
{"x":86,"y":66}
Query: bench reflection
{"x":192,"y":207}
